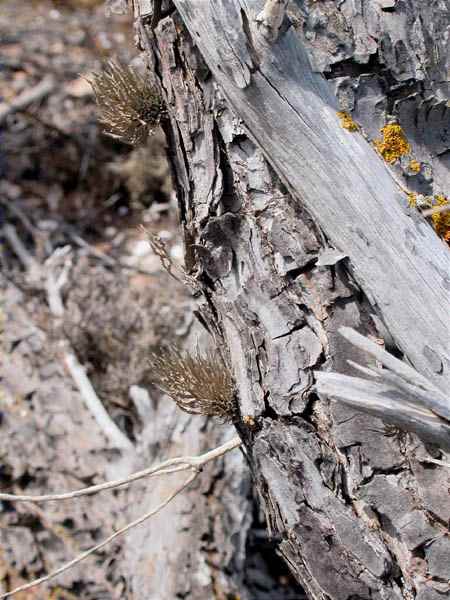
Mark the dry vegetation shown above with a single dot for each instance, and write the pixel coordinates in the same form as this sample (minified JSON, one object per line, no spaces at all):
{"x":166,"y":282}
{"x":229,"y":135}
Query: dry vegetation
{"x":128,"y":107}
{"x":64,"y":184}
{"x":199,"y":383}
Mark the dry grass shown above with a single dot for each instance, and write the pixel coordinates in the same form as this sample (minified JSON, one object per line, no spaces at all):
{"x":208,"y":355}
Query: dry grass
{"x":199,"y":384}
{"x":129,"y":108}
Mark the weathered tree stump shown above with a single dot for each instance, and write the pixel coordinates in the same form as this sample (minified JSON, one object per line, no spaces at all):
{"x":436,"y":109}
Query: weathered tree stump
{"x":294,"y":227}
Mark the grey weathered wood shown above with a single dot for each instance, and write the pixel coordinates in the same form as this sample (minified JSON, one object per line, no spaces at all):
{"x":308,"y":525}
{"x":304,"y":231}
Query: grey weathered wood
{"x":168,"y":558}
{"x":399,"y":395}
{"x":290,"y":112}
{"x":356,"y":512}
{"x":386,"y":402}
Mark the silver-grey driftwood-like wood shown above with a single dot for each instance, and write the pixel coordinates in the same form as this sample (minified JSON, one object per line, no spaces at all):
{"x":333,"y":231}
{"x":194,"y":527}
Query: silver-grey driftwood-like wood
{"x":294,"y":228}
{"x":290,"y":112}
{"x":399,"y":395}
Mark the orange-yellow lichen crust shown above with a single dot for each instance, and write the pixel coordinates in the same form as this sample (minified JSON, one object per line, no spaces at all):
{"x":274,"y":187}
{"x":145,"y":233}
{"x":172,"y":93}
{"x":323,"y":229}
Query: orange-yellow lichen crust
{"x":249,"y":420}
{"x":412,"y":199}
{"x":394,"y":143}
{"x":414,"y":166}
{"x":441,"y":221}
{"x":347,"y":122}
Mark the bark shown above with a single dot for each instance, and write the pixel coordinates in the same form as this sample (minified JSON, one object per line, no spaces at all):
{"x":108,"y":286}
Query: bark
{"x":267,"y":183}
{"x":202,"y":545}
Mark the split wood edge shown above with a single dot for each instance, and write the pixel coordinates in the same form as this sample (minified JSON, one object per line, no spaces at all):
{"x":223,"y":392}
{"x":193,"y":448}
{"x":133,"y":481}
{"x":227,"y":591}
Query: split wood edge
{"x":397,"y":393}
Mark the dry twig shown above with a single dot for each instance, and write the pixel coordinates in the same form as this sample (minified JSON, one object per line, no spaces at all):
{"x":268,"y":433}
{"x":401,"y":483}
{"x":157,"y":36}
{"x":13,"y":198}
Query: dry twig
{"x":188,"y":463}
{"x":105,"y":258}
{"x":54,"y":282}
{"x":173,"y":269}
{"x":31,"y":265}
{"x":99,"y":546}
{"x":47,"y":277}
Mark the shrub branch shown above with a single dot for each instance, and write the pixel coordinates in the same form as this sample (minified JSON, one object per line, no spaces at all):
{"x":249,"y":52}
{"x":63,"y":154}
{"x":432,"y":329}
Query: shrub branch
{"x":193,"y":464}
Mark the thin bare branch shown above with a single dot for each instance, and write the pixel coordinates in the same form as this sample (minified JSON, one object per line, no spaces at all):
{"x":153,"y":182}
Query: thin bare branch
{"x":173,"y":269}
{"x":54,"y":281}
{"x":93,"y":489}
{"x":102,"y":544}
{"x":171,"y":465}
{"x":105,"y":258}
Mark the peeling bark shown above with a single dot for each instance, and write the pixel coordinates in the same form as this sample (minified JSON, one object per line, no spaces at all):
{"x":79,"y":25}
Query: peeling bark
{"x":267,"y":181}
{"x":203,"y":544}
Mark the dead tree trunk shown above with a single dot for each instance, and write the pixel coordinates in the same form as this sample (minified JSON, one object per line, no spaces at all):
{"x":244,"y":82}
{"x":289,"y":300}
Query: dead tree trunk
{"x":295,"y":227}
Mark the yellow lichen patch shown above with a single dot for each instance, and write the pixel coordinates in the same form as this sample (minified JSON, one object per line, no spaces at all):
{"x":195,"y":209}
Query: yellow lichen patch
{"x":249,"y":420}
{"x":412,"y":199}
{"x":414,"y":166}
{"x":394,"y":143}
{"x":441,"y":220}
{"x":347,"y":122}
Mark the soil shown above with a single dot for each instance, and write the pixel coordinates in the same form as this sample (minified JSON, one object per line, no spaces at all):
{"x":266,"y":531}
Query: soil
{"x":66,"y":185}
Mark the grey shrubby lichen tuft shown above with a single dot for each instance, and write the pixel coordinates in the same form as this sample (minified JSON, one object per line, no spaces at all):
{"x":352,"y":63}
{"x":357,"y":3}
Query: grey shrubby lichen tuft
{"x":198,"y":383}
{"x":129,"y":107}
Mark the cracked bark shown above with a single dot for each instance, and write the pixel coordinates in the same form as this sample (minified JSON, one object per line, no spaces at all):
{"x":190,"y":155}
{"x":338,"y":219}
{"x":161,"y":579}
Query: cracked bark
{"x":267,"y":181}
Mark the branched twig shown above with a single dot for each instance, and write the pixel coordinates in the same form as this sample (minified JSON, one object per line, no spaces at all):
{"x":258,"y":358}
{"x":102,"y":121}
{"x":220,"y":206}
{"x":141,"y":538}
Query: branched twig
{"x":51,"y":127}
{"x":46,"y":276}
{"x":99,"y":546}
{"x":105,"y":258}
{"x":54,"y":283}
{"x":192,"y":463}
{"x":11,"y":204}
{"x":177,"y":272}
{"x":180,"y":463}
{"x":43,"y":276}
{"x":31,"y":265}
